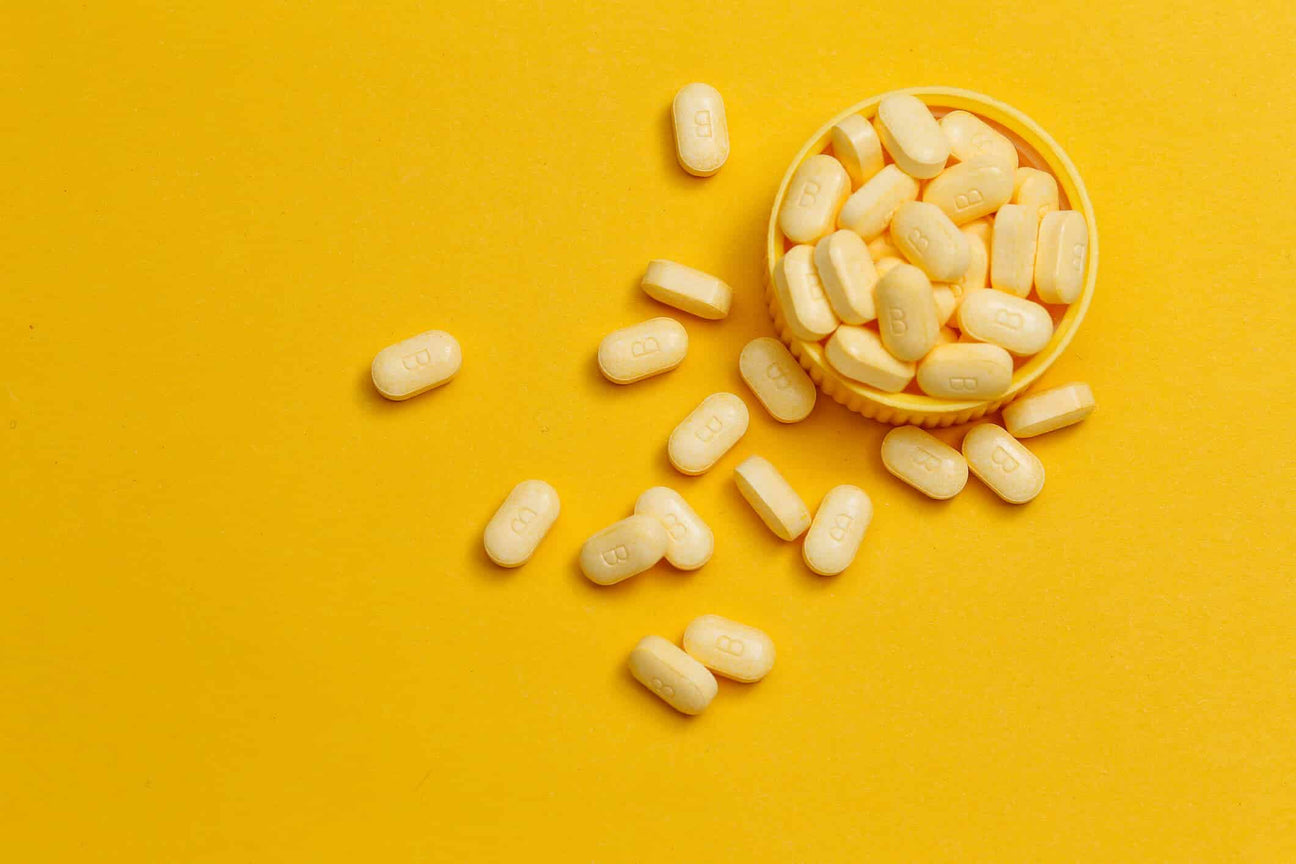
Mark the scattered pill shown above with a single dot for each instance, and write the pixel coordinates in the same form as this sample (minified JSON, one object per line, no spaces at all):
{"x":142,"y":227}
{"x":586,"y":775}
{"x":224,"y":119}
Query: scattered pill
{"x":728,"y":648}
{"x":1003,"y":463}
{"x":776,"y":378}
{"x":1020,"y":326}
{"x":930,"y":240}
{"x":970,"y":138}
{"x":642,"y":350}
{"x":416,"y":365}
{"x":970,"y":190}
{"x":1050,"y":409}
{"x":907,"y":316}
{"x":687,"y":289}
{"x":857,"y":148}
{"x":1060,"y":256}
{"x":520,"y":523}
{"x":701,"y":130}
{"x":689,"y":541}
{"x":1035,"y":190}
{"x":707,"y":433}
{"x":838,"y":528}
{"x":912,"y":136}
{"x":924,"y":462}
{"x":1012,"y":249}
{"x":869,"y":209}
{"x":818,"y":189}
{"x":801,"y":295}
{"x":623,"y":549}
{"x":847,"y":273}
{"x":859,"y":354}
{"x":772,"y":497}
{"x":965,"y":370}
{"x":682,"y":682}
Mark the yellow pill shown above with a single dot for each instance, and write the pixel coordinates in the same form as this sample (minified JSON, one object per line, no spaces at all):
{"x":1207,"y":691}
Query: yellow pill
{"x":868,"y":211}
{"x":1035,"y":190}
{"x":970,"y":190}
{"x":689,"y":541}
{"x":1048,"y":410}
{"x":1003,"y":463}
{"x":730,"y":649}
{"x":883,"y":267}
{"x":642,"y":350}
{"x":982,"y":228}
{"x":1012,"y":249}
{"x":859,"y":354}
{"x":912,"y":136}
{"x":1060,"y":256}
{"x":907,"y":316}
{"x":925,"y":462}
{"x":776,"y":378}
{"x":970,"y":138}
{"x":857,"y":147}
{"x":1013,"y":323}
{"x":416,"y":365}
{"x":978,"y":271}
{"x":847,"y":273}
{"x":686,"y":289}
{"x":801,"y":295}
{"x":623,"y":549}
{"x":835,"y":535}
{"x":772,"y":497}
{"x":946,"y":303}
{"x":520,"y":523}
{"x":682,"y":682}
{"x":707,"y":433}
{"x":930,"y":240}
{"x":965,"y":370}
{"x":701,"y":130}
{"x":882,"y":247}
{"x":813,"y":198}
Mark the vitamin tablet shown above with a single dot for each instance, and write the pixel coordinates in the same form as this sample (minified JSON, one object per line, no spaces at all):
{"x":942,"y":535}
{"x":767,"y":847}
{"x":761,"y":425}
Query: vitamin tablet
{"x":1035,"y":190}
{"x":970,"y":190}
{"x":520,"y":523}
{"x":1012,"y":249}
{"x":907,"y":316}
{"x":1060,"y":256}
{"x":689,"y":541}
{"x":623,"y":549}
{"x":882,"y":247}
{"x":857,"y":148}
{"x":930,"y":240}
{"x":838,"y":528}
{"x":707,"y":433}
{"x":859,"y":354}
{"x":416,"y":365}
{"x":846,"y":271}
{"x":686,"y":289}
{"x":642,"y":350}
{"x":965,"y":370}
{"x":772,"y":497}
{"x":682,"y":682}
{"x":1013,"y":323}
{"x":701,"y":130}
{"x":946,"y":303}
{"x":1003,"y":463}
{"x":801,"y":295}
{"x":925,"y":462}
{"x":1048,"y":410}
{"x":813,"y":198}
{"x":970,"y":138}
{"x":912,"y":136}
{"x":868,"y":211}
{"x":978,"y":271}
{"x":884,"y":266}
{"x":776,"y":378}
{"x":982,"y":228}
{"x":728,"y":648}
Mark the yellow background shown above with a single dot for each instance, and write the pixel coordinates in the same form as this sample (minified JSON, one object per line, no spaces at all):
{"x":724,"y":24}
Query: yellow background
{"x":245,"y":613}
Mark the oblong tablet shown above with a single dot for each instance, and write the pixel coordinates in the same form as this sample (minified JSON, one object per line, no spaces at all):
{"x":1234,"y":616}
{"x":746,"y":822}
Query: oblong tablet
{"x":869,"y":209}
{"x":1049,"y":409}
{"x":521,"y":522}
{"x":969,"y":190}
{"x":1003,"y":463}
{"x":1012,"y":249}
{"x":689,"y":541}
{"x":925,"y":462}
{"x":1035,"y":190}
{"x":859,"y":354}
{"x":1060,"y":256}
{"x":776,"y":378}
{"x":813,"y":198}
{"x":642,"y":350}
{"x":728,"y":648}
{"x":848,"y":276}
{"x":856,"y":146}
{"x":838,"y":528}
{"x":801,"y":295}
{"x":912,"y":136}
{"x":623,"y":549}
{"x":701,"y":129}
{"x":930,"y":240}
{"x":707,"y":433}
{"x":907,"y":317}
{"x":686,"y":289}
{"x":682,"y":682}
{"x":772,"y":497}
{"x":416,"y":365}
{"x":1018,"y":325}
{"x":970,"y":138}
{"x":965,"y":370}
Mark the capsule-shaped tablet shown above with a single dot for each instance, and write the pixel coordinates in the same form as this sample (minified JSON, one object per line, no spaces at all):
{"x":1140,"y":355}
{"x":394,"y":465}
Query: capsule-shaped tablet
{"x":623,"y":549}
{"x":869,"y":209}
{"x":1048,"y":410}
{"x":642,"y":350}
{"x":930,"y":241}
{"x":1003,"y":463}
{"x":859,"y":354}
{"x":707,"y":433}
{"x":701,"y":130}
{"x":801,"y":295}
{"x":1035,"y":190}
{"x":772,"y":497}
{"x":970,"y":190}
{"x":814,"y":197}
{"x":925,"y":462}
{"x":686,"y":289}
{"x":416,"y":365}
{"x":907,"y":316}
{"x":857,"y":148}
{"x":682,"y":682}
{"x":776,"y":378}
{"x":912,"y":136}
{"x":728,"y":648}
{"x":520,"y":523}
{"x":1060,"y":256}
{"x":970,"y":138}
{"x":965,"y":370}
{"x":1012,"y":249}
{"x":978,"y":272}
{"x":838,"y":528}
{"x":1016,"y":324}
{"x":689,"y":541}
{"x":847,"y":273}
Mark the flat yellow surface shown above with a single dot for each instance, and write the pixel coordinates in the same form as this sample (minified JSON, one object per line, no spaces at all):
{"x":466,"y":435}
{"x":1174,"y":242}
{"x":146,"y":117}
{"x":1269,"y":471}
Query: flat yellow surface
{"x":244,"y":610}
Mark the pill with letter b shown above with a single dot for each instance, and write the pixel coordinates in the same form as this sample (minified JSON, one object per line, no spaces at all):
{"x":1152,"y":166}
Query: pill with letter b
{"x":728,"y":648}
{"x":701,"y":129}
{"x":848,"y":276}
{"x":907,"y":315}
{"x":707,"y":433}
{"x":1016,"y":324}
{"x":1060,"y":256}
{"x":930,"y":240}
{"x":813,"y":198}
{"x":924,"y":462}
{"x":965,"y":370}
{"x":801,"y":295}
{"x":911,"y":135}
{"x":689,"y":541}
{"x":1003,"y":463}
{"x":416,"y":365}
{"x":623,"y":549}
{"x":642,"y":350}
{"x":776,"y":378}
{"x":520,"y":523}
{"x":858,"y":353}
{"x":869,"y":209}
{"x":682,"y":682}
{"x":838,"y":528}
